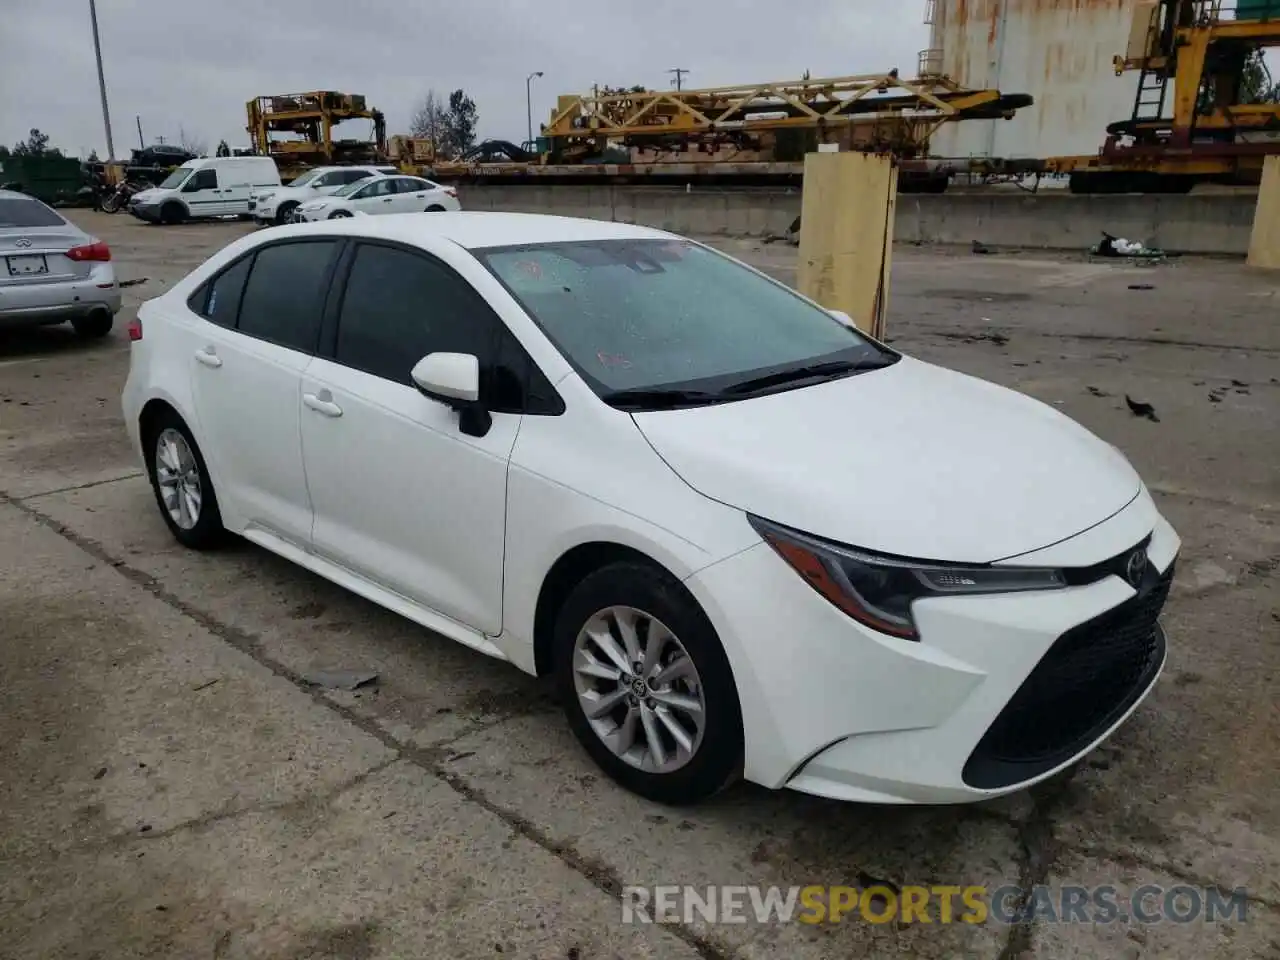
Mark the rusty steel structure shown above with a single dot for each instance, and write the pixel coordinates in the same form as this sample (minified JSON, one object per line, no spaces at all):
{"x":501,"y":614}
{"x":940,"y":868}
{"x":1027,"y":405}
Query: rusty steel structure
{"x":1190,"y":122}
{"x":297,"y":129}
{"x":1058,"y":51}
{"x":766,"y":122}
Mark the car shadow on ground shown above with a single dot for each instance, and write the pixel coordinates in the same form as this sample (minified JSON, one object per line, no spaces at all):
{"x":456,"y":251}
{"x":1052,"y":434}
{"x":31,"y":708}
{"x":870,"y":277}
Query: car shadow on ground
{"x":60,"y":340}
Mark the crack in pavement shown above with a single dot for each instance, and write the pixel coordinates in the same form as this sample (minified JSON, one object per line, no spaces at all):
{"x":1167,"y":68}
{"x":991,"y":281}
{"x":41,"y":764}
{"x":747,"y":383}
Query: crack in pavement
{"x":432,"y":759}
{"x":79,"y":486}
{"x":1039,"y":852}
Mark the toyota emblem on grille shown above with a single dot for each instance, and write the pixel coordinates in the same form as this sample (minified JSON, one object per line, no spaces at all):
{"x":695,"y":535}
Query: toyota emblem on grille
{"x":1136,"y":566}
{"x":22,"y":242}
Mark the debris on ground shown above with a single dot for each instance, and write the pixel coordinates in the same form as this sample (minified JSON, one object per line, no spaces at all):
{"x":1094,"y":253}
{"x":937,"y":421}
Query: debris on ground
{"x":991,"y":336}
{"x":1217,"y":394}
{"x":132,"y":283}
{"x":792,"y":236}
{"x":1098,"y":393}
{"x":1142,"y":286}
{"x":981,"y":248}
{"x":1120,"y":247}
{"x":1139,"y":409}
{"x":341,"y":679}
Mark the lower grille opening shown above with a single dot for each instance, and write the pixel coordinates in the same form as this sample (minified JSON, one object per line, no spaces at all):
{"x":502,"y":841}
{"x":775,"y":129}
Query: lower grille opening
{"x":1091,"y":675}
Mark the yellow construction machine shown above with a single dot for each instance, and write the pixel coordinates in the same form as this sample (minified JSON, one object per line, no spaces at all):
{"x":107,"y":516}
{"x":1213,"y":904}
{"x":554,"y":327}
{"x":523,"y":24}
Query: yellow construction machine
{"x":1194,"y":118}
{"x":297,"y":129}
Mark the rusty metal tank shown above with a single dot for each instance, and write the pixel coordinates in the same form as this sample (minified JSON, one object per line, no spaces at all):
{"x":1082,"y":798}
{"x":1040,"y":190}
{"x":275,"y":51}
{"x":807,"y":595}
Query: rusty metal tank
{"x":1059,"y":51}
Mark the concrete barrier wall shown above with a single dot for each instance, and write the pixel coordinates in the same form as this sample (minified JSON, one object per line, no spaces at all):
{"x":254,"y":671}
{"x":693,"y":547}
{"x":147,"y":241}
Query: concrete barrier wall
{"x":1050,"y":220}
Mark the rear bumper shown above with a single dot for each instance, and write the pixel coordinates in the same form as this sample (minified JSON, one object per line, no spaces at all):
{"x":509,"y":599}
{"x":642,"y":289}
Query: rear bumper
{"x":39,"y":303}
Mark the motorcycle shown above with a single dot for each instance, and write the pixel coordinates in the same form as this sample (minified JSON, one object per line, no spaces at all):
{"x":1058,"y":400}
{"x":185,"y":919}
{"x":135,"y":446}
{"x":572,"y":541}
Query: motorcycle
{"x":118,"y":199}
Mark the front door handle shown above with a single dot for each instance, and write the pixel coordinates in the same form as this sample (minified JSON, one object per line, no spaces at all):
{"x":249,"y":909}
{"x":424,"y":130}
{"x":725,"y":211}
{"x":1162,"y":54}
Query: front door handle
{"x":209,"y":358}
{"x":322,"y":403}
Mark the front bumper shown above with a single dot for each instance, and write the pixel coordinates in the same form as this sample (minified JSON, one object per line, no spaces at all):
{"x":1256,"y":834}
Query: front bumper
{"x":146,"y":211}
{"x":837,"y":710}
{"x":39,"y":303}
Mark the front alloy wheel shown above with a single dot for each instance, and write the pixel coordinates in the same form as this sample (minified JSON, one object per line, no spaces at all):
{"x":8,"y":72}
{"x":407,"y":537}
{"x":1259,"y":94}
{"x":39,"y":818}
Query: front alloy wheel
{"x":646,"y":685}
{"x":639,"y":690}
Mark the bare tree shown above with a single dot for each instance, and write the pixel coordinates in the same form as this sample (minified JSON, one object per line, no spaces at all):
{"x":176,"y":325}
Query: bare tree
{"x":431,"y":119}
{"x":192,"y":143}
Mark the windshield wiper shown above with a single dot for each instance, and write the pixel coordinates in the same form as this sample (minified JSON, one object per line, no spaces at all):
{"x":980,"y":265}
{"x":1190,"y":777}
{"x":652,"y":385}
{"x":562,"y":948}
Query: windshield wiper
{"x":657,"y":399}
{"x":811,"y":372}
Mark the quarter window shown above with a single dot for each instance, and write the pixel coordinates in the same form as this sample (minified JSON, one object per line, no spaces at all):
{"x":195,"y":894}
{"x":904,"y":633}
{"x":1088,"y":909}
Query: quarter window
{"x":284,"y":297}
{"x":219,"y":300}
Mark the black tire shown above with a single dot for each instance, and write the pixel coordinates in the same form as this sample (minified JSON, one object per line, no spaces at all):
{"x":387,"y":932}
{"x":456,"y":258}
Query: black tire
{"x":339,"y":215}
{"x":718,"y":759}
{"x":284,"y":210}
{"x":93,"y":326}
{"x":111,"y":204}
{"x":173,"y":212}
{"x":435,"y":208}
{"x":207,"y":532}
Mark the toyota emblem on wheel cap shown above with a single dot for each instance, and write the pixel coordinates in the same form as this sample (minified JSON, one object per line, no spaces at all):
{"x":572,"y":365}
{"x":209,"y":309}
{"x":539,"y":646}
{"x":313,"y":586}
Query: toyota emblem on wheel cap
{"x":1136,"y":566}
{"x":22,"y":242}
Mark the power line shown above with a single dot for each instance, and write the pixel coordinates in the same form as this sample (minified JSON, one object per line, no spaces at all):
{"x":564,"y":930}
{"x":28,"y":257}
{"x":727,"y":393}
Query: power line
{"x":679,"y":74}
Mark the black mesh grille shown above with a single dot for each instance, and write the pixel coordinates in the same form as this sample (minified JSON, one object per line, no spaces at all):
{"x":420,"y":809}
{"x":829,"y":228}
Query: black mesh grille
{"x":1089,"y":677}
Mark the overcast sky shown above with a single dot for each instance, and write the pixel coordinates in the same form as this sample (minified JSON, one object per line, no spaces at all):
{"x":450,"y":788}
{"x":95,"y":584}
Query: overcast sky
{"x":193,"y":63}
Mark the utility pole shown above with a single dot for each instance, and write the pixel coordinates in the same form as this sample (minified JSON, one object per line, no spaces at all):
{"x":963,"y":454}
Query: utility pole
{"x":141,"y":144}
{"x":528,"y":100}
{"x":679,"y":74}
{"x":102,"y":80}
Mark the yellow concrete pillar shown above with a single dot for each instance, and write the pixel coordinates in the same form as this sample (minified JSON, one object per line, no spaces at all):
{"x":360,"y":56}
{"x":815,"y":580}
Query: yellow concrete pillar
{"x":1264,"y":247}
{"x":846,"y":234}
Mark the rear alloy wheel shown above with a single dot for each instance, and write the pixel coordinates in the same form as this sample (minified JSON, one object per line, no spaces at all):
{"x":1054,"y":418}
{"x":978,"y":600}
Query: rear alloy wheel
{"x":339,"y":215}
{"x":285,"y":211}
{"x":93,"y":326}
{"x":182,"y":486}
{"x":646,"y":686}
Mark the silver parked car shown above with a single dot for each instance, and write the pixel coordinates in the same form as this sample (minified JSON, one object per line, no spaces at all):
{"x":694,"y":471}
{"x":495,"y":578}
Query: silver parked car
{"x":51,"y":271}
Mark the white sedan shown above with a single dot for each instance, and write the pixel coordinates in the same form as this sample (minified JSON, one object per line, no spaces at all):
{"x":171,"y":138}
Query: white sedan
{"x":378,"y":195}
{"x":743,"y":538}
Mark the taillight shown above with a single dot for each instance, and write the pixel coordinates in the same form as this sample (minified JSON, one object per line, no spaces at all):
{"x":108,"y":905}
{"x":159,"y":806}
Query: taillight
{"x":451,"y":192}
{"x":135,"y":328}
{"x":98,"y":251}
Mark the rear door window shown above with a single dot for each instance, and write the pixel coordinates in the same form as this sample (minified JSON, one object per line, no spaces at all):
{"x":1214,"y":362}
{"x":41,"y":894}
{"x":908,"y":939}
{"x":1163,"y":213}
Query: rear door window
{"x":26,"y":212}
{"x":284,"y":296}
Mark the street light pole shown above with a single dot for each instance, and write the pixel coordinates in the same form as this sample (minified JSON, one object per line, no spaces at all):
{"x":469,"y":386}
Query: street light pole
{"x":528,"y":100}
{"x":102,"y":80}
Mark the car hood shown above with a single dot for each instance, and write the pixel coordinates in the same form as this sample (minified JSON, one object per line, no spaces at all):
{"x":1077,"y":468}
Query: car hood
{"x":912,"y":460}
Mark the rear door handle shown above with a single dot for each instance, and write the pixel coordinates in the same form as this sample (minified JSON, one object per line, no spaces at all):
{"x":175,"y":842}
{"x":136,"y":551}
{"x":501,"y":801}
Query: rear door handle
{"x":322,"y":403}
{"x":386,"y":199}
{"x":209,"y":358}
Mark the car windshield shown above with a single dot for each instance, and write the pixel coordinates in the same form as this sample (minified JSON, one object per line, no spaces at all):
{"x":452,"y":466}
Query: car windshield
{"x":351,"y":188}
{"x":661,"y":316}
{"x":177,"y":178}
{"x":23,"y":212}
{"x":305,"y":179}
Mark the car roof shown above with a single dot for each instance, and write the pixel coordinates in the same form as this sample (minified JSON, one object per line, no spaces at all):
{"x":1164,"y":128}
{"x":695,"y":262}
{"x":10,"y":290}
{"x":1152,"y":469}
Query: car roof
{"x":476,"y":230}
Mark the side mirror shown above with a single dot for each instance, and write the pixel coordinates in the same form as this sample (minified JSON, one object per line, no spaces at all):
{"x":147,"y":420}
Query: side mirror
{"x":454,"y":379}
{"x":844,"y":318}
{"x":451,"y":378}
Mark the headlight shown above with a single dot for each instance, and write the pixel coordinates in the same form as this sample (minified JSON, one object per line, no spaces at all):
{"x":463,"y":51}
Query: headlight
{"x":311,"y":206}
{"x":878,"y":591}
{"x":264,"y":196}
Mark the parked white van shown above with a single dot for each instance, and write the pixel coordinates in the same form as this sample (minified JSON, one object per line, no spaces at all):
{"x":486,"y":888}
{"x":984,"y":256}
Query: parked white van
{"x":207,"y":187}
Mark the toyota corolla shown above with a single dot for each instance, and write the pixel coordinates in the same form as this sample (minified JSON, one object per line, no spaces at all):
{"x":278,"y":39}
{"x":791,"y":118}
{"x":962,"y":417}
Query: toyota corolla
{"x":744,"y":539}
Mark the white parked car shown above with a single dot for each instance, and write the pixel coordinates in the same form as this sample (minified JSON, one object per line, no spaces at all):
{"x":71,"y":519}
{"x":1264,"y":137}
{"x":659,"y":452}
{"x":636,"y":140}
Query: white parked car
{"x":379,"y":195}
{"x":744,"y":539}
{"x":276,"y":205}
